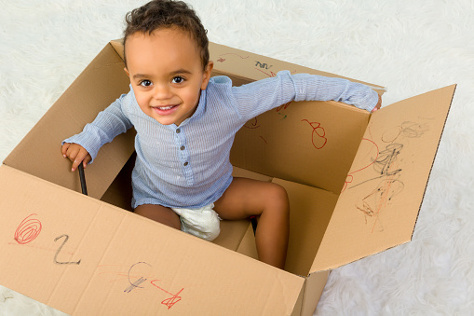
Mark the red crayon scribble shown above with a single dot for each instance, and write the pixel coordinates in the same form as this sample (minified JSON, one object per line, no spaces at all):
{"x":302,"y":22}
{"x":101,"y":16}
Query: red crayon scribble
{"x":283,"y":107}
{"x":138,"y":278}
{"x":121,"y":275}
{"x":28,"y":230}
{"x":350,"y":176}
{"x":271,"y":74}
{"x":318,"y":136}
{"x":220,"y":60}
{"x":252,"y":124}
{"x":169,"y":302}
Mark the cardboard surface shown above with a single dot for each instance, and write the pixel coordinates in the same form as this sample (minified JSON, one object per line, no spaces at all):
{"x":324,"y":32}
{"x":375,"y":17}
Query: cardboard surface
{"x":302,"y":143}
{"x":385,"y":187}
{"x":313,"y":290}
{"x":39,"y":153}
{"x":85,"y":257}
{"x":311,"y":210}
{"x":355,"y":182}
{"x":245,"y":66}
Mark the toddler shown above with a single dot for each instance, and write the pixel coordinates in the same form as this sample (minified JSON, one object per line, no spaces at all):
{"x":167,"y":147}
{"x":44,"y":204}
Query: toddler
{"x":186,"y":122}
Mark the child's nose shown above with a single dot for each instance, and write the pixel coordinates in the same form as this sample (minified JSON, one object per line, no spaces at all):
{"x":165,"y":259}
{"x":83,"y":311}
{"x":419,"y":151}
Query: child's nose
{"x":161,"y":91}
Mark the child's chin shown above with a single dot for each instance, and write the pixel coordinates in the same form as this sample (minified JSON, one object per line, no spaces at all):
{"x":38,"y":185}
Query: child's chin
{"x":165,"y":121}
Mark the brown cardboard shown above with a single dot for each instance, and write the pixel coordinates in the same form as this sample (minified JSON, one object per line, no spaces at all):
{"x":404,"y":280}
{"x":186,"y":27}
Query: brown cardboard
{"x":97,"y":86}
{"x":91,"y":258}
{"x":387,"y":194}
{"x":88,"y":256}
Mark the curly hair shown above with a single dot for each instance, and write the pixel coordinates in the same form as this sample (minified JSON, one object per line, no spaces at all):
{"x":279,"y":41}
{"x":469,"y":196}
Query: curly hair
{"x":158,"y":14}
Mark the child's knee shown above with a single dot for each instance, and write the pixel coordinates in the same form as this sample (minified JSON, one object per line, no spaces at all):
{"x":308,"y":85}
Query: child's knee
{"x":278,"y":197}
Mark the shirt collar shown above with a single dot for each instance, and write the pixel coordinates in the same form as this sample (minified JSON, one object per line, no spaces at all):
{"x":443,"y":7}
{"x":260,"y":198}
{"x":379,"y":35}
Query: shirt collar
{"x":200,"y":109}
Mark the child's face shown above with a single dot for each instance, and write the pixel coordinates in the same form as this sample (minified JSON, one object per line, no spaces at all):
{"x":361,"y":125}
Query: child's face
{"x":166,"y":74}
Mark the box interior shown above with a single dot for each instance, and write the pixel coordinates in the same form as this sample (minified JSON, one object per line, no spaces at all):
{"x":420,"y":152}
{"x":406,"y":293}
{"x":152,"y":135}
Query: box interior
{"x":306,"y":147}
{"x":263,"y":150}
{"x":355,"y":180}
{"x":311,"y":209}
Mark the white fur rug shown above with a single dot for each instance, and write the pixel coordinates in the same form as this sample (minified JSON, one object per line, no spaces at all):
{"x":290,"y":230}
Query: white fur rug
{"x":408,"y":46}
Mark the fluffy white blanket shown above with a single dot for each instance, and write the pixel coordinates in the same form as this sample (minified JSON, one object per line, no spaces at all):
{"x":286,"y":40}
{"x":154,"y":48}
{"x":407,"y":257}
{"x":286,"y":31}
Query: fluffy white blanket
{"x":410,"y":47}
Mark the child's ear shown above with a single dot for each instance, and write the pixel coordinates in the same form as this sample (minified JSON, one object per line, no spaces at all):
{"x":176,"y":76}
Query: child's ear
{"x":206,"y":76}
{"x":126,"y":71}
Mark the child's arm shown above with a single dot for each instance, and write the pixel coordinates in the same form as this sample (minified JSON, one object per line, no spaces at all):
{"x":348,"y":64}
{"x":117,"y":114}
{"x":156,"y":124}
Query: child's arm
{"x":260,"y":96}
{"x":84,"y":147}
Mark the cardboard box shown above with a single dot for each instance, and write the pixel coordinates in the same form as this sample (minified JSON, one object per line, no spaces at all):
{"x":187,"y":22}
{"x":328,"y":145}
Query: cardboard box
{"x":356,"y":182}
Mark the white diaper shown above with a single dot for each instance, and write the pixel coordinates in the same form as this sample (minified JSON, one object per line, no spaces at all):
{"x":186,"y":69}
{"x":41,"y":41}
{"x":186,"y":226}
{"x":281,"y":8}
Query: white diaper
{"x":202,"y":222}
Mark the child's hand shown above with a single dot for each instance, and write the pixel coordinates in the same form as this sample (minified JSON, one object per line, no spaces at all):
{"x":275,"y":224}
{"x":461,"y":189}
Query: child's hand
{"x":77,"y":154}
{"x":379,"y":104}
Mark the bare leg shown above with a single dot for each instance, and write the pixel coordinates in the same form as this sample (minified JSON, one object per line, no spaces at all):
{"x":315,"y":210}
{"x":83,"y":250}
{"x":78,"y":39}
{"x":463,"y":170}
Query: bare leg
{"x":159,"y":214}
{"x":269,"y":201}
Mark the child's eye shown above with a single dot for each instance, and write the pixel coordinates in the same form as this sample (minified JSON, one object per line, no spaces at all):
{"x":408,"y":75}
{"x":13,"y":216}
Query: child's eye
{"x":178,"y":79}
{"x":145,"y":83}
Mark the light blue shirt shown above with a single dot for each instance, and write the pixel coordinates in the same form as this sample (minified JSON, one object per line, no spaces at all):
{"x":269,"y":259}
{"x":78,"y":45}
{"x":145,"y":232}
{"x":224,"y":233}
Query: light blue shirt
{"x":188,"y":165}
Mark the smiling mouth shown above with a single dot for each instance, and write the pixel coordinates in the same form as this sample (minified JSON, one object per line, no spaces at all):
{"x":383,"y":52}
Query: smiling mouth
{"x":165,"y":110}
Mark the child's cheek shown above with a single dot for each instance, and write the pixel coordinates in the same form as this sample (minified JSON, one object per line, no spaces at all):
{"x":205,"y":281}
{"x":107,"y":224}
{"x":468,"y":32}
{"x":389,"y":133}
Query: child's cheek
{"x":143,"y":104}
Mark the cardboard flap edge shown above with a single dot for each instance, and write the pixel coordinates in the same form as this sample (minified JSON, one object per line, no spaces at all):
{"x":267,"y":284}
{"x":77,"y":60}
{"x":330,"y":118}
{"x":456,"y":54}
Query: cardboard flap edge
{"x":380,"y":202}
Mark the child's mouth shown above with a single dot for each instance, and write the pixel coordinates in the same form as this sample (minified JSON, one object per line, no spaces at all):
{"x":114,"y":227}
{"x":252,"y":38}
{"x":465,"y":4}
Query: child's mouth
{"x":163,"y":110}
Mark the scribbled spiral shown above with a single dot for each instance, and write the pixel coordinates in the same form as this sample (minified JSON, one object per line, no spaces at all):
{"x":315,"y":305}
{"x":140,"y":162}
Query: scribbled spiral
{"x":28,"y":230}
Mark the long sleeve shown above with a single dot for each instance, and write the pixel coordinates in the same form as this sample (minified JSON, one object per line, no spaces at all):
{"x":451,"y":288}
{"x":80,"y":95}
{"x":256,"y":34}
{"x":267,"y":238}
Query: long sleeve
{"x":106,"y":126}
{"x":260,"y":96}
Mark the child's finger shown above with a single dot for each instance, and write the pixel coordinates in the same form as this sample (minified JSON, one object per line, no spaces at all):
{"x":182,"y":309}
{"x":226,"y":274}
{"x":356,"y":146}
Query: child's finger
{"x":64,"y":149}
{"x":378,"y":105}
{"x":77,"y":158}
{"x":83,"y":157}
{"x":86,"y":160}
{"x":72,"y":152}
{"x":77,"y":162}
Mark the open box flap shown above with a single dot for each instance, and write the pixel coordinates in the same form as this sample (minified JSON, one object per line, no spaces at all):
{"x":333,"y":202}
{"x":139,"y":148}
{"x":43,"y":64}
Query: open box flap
{"x":39,"y":153}
{"x":382,"y":196}
{"x":84,"y":257}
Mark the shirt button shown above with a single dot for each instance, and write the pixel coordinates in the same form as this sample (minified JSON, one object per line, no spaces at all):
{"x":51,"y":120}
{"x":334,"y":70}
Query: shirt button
{"x":182,"y":147}
{"x":185,"y":164}
{"x":178,"y":131}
